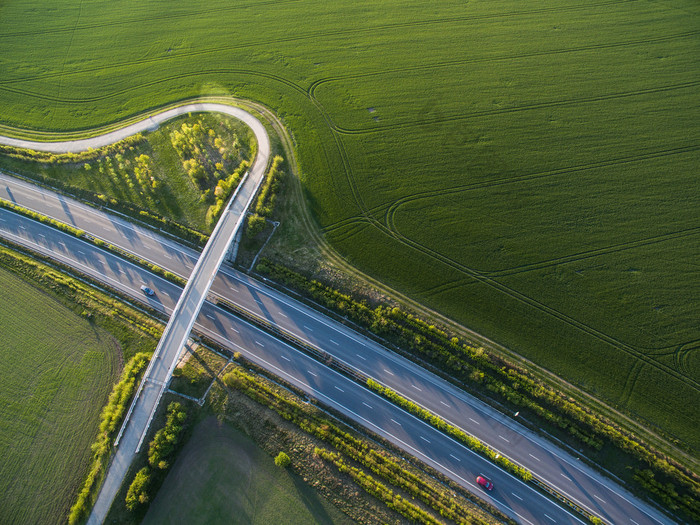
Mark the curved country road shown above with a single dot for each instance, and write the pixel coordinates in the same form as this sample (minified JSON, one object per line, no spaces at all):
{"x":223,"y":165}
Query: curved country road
{"x":148,"y":124}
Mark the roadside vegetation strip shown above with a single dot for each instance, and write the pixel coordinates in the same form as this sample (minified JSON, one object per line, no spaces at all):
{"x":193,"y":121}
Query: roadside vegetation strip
{"x":394,"y":501}
{"x":471,"y":442}
{"x":502,"y":381}
{"x":161,"y":453}
{"x":347,"y":443}
{"x":265,"y":202}
{"x":81,"y":234}
{"x":111,"y":418}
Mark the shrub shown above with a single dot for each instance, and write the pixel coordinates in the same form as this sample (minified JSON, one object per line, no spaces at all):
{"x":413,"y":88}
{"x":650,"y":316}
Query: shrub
{"x":138,"y":490}
{"x":283,"y":460}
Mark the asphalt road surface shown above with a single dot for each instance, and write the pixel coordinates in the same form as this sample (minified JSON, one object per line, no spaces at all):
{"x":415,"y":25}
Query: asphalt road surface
{"x":511,"y":495}
{"x":551,"y":464}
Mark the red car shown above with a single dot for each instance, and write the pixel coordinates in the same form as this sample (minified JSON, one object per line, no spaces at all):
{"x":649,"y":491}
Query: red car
{"x":484,"y":482}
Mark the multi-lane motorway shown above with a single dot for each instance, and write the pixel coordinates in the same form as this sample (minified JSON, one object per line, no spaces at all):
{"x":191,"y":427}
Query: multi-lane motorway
{"x":584,"y":486}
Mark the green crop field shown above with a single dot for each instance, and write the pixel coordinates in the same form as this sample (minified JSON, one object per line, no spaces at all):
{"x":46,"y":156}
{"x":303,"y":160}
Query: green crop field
{"x":527,"y":168}
{"x":57,"y":370}
{"x":221,"y":474}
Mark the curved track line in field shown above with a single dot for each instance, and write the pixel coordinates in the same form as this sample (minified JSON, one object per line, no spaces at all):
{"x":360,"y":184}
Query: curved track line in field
{"x":605,"y":250}
{"x":318,"y":35}
{"x":465,"y":61}
{"x":537,"y":305}
{"x":631,"y":382}
{"x":364,"y":29}
{"x":111,"y":94}
{"x":516,"y":109}
{"x":681,"y":356}
{"x":392,"y":208}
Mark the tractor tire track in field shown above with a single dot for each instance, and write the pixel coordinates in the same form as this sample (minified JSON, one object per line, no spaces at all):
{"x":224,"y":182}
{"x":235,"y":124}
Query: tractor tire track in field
{"x":68,"y":49}
{"x":242,"y":45}
{"x":465,"y":61}
{"x":123,"y":21}
{"x":517,"y":109}
{"x":443,"y":192}
{"x":365,"y":29}
{"x":681,"y":356}
{"x":123,"y":91}
{"x":630,"y":382}
{"x":537,"y":305}
{"x":595,"y":252}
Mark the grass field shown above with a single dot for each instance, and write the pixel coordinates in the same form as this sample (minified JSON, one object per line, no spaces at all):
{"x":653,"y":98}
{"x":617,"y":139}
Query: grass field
{"x":221,"y":476}
{"x":57,"y":370}
{"x":527,"y":168}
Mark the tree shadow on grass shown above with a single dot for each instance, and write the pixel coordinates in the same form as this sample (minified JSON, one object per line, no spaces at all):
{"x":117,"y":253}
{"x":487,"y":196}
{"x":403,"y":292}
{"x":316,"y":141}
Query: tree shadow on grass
{"x":311,"y":500}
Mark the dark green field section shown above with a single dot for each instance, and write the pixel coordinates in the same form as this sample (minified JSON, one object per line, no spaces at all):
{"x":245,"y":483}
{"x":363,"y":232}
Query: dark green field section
{"x":221,"y":475}
{"x":527,"y":168}
{"x":57,"y":370}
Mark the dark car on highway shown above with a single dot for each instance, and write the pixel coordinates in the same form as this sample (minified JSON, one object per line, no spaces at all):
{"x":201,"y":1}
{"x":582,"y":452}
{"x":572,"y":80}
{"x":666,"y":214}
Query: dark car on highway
{"x":148,"y":291}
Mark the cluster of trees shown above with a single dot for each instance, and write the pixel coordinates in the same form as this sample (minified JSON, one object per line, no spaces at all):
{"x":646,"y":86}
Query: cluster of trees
{"x":166,"y":439}
{"x":265,"y":203}
{"x":223,"y":190}
{"x":353,"y":447}
{"x":205,"y":156}
{"x":137,"y":175}
{"x":210,"y":163}
{"x":110,"y":419}
{"x":668,"y":495}
{"x":161,"y":449}
{"x":439,"y":423}
{"x":283,"y":460}
{"x":479,"y":368}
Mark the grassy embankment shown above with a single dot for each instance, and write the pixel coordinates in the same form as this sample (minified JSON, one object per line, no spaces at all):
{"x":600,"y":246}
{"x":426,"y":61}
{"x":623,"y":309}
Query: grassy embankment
{"x":64,"y":346}
{"x":524,"y":169}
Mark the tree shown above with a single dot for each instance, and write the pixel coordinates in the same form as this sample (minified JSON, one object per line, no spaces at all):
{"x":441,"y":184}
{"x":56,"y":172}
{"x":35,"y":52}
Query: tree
{"x":138,"y":490}
{"x":283,"y":460}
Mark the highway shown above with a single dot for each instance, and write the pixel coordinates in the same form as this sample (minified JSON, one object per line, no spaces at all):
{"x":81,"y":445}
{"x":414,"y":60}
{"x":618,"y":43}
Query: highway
{"x":559,"y":469}
{"x":415,"y":437}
